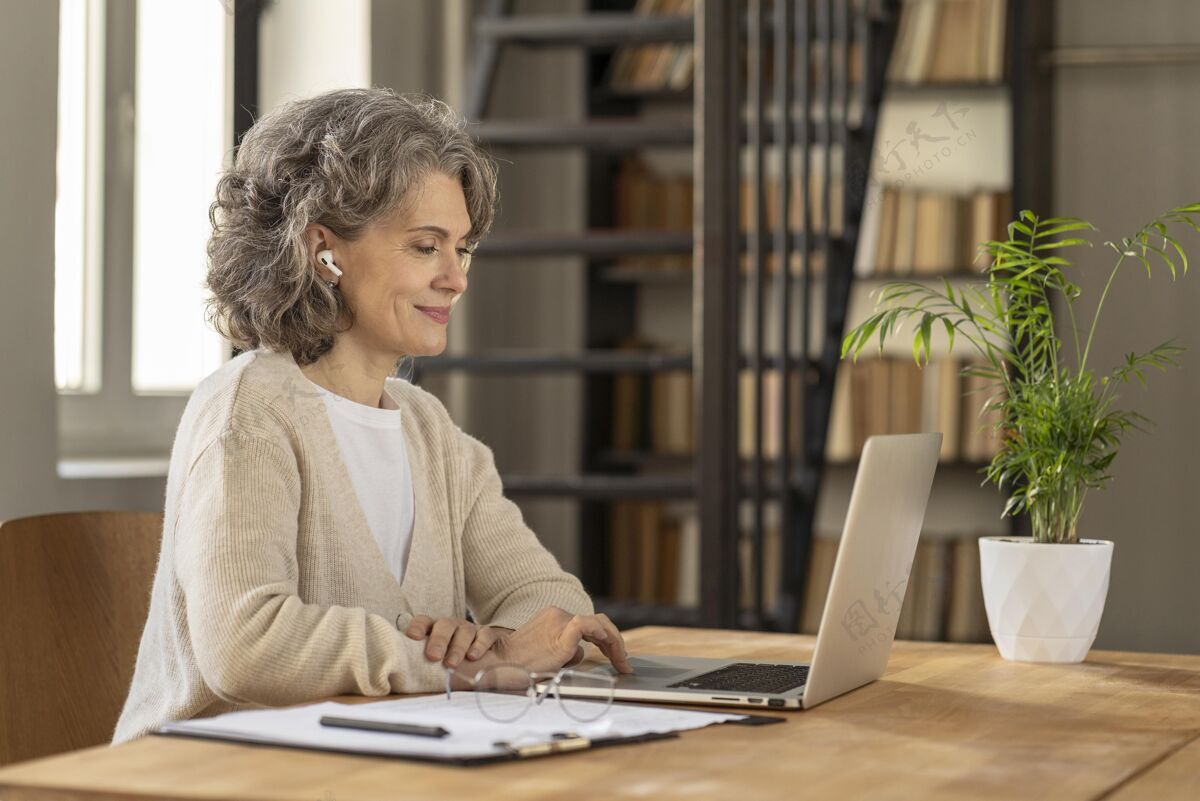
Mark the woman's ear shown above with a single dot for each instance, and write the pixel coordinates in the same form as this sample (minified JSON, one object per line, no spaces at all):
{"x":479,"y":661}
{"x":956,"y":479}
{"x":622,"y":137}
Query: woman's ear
{"x":318,"y":242}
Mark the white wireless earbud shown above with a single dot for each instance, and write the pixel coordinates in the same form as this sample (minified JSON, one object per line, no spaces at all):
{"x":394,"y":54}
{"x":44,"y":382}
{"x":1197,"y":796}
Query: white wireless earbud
{"x":326,"y":258}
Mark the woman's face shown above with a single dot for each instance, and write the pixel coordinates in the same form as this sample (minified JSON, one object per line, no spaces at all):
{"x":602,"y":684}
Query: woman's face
{"x":403,"y":276}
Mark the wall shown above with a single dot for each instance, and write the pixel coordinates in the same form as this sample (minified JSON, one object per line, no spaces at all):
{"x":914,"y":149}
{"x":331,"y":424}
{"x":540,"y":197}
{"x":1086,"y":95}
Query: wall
{"x":311,"y":46}
{"x":1124,"y":151}
{"x":29,"y":483}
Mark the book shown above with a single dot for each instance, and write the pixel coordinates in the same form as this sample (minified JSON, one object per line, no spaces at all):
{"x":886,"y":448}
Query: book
{"x":885,"y":261}
{"x":663,"y":55}
{"x":929,"y":232}
{"x":956,"y":36}
{"x":682,"y":70}
{"x":906,"y":380}
{"x":633,"y":196}
{"x":821,"y":556}
{"x":919,"y":52}
{"x":628,"y":404}
{"x":941,"y":400}
{"x":671,"y":412}
{"x":906,"y":230}
{"x":949,"y":40}
{"x":890,"y":395}
{"x":689,"y":561}
{"x":676,"y":197}
{"x":980,"y":440}
{"x":995,"y":31}
{"x":621,"y":539}
{"x":966,"y":618}
{"x":930,"y":601}
{"x":839,"y":443}
{"x":868,"y":238}
{"x":647,"y":529}
{"x":627,"y":59}
{"x":669,"y":552}
{"x":903,"y":47}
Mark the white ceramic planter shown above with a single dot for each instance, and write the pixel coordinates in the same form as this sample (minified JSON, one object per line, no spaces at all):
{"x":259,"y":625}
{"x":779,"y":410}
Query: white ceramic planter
{"x":1044,"y":601}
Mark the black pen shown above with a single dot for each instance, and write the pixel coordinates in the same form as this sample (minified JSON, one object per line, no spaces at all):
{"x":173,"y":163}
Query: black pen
{"x":383,"y":725}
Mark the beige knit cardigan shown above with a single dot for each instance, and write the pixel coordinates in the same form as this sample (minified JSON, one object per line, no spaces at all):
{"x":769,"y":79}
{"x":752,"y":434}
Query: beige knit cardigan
{"x":270,"y":587}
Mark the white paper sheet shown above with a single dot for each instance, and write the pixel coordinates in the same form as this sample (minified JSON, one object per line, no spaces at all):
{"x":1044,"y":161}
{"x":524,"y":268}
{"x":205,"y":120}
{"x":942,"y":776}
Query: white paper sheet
{"x":471,"y":734}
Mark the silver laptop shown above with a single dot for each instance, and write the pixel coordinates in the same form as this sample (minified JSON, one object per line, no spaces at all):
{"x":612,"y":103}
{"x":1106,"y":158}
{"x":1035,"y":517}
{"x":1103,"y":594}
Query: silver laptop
{"x":870,"y":575}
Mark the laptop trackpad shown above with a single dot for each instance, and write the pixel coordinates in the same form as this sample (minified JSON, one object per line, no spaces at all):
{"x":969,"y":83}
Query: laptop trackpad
{"x":649,"y":669}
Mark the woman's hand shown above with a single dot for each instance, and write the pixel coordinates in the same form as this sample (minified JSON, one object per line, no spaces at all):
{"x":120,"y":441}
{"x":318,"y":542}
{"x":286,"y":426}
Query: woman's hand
{"x":551,"y":640}
{"x":453,"y":638}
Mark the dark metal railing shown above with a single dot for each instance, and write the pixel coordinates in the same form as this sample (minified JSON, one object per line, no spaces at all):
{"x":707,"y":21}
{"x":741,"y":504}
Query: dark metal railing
{"x":811,"y":39}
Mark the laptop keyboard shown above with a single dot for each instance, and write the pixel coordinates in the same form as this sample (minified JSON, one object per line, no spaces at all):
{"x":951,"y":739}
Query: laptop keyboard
{"x":749,"y":678}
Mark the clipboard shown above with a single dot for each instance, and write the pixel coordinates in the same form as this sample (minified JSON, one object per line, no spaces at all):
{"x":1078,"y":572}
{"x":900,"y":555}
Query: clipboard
{"x":509,"y":754}
{"x":478,"y":742}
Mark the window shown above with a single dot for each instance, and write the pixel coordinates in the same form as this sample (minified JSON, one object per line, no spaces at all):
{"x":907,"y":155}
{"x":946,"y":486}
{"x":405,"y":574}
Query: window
{"x":145,"y":127}
{"x":77,"y":209}
{"x":182,"y":136}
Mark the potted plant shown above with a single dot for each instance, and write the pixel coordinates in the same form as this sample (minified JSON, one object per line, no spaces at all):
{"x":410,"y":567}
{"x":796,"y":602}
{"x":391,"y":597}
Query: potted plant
{"x":1054,"y":415}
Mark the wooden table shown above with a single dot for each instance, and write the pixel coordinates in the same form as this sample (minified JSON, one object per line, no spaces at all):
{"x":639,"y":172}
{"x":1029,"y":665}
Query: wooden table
{"x":946,"y":721}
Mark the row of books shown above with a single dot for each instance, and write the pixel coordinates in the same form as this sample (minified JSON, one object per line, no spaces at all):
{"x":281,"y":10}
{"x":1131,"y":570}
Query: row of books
{"x":949,"y":40}
{"x":663,"y":66}
{"x":909,"y":232}
{"x":937,"y":40}
{"x":649,"y":67}
{"x":647,"y":199}
{"x":814,"y":199}
{"x":671,"y":422}
{"x":886,"y":395}
{"x":942,"y":601}
{"x":655,"y":413}
{"x":654,"y":553}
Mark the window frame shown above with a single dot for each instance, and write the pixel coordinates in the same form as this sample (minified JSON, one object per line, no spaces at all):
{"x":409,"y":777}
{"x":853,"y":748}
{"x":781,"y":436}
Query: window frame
{"x":115,"y":423}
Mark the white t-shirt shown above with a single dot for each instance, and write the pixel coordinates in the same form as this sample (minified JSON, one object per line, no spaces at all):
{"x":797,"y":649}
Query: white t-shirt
{"x":371,"y":441}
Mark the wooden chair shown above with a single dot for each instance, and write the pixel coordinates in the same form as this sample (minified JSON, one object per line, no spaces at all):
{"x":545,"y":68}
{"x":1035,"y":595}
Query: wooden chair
{"x":74,"y":594}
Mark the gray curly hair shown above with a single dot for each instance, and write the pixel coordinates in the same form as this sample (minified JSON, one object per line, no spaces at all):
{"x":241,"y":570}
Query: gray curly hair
{"x":344,"y":159}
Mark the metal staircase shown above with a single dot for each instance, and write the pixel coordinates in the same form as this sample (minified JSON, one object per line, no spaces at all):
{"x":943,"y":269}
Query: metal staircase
{"x":820,"y":118}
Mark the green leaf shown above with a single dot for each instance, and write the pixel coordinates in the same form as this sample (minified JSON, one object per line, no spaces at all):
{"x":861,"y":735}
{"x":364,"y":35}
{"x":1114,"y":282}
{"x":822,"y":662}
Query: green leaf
{"x":1144,"y":261}
{"x":1055,"y":228}
{"x":1182,"y":255}
{"x":949,"y":333}
{"x":927,"y":334}
{"x":1062,"y":243}
{"x":847,"y":343}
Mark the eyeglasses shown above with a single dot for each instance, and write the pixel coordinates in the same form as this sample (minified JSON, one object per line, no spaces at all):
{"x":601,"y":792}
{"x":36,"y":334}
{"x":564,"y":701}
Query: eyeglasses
{"x":505,"y":692}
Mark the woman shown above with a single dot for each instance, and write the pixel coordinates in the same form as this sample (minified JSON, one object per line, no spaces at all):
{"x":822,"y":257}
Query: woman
{"x":327,"y":525}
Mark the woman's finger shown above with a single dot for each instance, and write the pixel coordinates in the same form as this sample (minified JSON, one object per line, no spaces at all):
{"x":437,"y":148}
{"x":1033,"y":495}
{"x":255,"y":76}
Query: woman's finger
{"x":580,"y":627}
{"x":460,"y":641}
{"x":418,"y":629}
{"x":439,"y":638}
{"x":605,"y":645}
{"x":576,"y":659}
{"x":620,"y":655}
{"x":485,"y":638}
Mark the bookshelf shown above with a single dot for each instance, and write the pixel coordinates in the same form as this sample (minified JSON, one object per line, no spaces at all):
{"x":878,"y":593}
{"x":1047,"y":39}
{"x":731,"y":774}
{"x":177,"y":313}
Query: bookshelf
{"x":682,"y":495}
{"x":990,"y":117}
{"x":941,"y":220}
